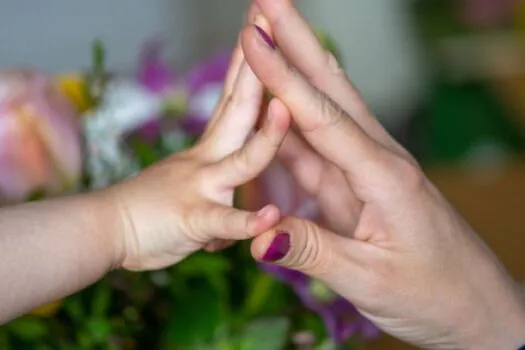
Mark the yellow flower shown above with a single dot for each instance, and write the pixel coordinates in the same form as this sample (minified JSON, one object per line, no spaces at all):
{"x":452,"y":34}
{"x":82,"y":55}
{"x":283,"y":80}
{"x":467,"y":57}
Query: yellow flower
{"x":75,"y":89}
{"x":47,"y":310}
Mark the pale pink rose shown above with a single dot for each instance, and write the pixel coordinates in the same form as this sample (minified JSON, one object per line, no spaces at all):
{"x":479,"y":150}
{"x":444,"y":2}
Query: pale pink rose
{"x":40,"y":148}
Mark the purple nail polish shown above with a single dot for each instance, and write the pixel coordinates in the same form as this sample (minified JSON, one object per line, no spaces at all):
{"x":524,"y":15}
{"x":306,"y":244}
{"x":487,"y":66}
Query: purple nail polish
{"x":265,"y":36}
{"x":278,"y":248}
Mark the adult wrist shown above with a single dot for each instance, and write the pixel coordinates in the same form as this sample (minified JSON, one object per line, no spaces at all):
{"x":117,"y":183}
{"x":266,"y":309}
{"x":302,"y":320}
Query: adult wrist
{"x":503,"y":328}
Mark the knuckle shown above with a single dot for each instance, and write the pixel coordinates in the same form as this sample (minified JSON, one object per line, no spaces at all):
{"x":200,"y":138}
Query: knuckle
{"x":329,"y":68}
{"x":269,"y":139}
{"x":241,"y":161}
{"x":328,"y":114}
{"x":331,"y":114}
{"x":283,"y":85}
{"x":234,"y":222}
{"x":242,"y":99}
{"x":191,"y":220}
{"x":310,"y":256}
{"x":409,"y":175}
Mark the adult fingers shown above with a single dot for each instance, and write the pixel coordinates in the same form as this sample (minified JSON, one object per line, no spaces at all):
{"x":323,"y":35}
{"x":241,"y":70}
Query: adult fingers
{"x":330,"y":131}
{"x":302,"y":162}
{"x":304,"y":246}
{"x":303,"y":50}
{"x":249,"y":161}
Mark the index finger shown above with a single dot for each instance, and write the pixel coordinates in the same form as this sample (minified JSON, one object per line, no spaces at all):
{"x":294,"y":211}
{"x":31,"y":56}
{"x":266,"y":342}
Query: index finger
{"x":323,"y":123}
{"x":303,"y":50}
{"x":233,"y":71}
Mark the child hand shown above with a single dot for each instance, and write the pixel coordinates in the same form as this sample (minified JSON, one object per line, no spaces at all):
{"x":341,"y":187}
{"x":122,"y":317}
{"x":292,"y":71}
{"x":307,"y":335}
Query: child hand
{"x":184,"y":203}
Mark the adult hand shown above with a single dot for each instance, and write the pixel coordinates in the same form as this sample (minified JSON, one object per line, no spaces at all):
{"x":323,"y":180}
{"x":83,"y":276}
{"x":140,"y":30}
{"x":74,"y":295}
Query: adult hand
{"x":397,"y":249}
{"x":185,"y":203}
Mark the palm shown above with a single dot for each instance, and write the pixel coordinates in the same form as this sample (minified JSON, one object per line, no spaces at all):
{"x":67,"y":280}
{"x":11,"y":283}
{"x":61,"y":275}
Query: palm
{"x":339,"y":206}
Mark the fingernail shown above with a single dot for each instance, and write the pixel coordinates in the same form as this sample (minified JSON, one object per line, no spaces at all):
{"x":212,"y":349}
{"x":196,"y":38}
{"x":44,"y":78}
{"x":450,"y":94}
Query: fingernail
{"x":278,"y":248}
{"x":264,"y":211}
{"x":265,"y":36}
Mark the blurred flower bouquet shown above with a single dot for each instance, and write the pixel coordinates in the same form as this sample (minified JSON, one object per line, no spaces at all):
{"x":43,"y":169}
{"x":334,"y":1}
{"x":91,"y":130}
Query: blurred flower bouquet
{"x":474,"y":113}
{"x":78,"y":132}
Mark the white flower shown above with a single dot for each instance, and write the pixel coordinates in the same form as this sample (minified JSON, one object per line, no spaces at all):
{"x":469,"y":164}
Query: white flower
{"x":125,"y":107}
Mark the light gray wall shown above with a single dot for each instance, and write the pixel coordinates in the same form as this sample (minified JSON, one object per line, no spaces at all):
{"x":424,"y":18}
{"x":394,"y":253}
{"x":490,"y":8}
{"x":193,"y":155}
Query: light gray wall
{"x":54,"y":35}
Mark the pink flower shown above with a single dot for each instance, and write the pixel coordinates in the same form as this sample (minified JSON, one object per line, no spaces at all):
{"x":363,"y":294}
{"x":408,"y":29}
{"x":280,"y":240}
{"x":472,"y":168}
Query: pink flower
{"x":40,"y":147}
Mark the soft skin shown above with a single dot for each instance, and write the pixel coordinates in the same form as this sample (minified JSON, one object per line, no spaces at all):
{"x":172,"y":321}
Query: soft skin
{"x":53,"y":248}
{"x":393,"y":245}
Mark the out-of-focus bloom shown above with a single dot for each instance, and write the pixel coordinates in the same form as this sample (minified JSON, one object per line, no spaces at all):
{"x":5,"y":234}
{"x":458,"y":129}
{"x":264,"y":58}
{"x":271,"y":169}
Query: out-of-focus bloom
{"x":74,"y":87}
{"x":158,"y":78}
{"x":204,"y":84}
{"x":40,"y":148}
{"x":47,"y":310}
{"x":487,"y":13}
{"x":125,"y":107}
{"x":193,"y":96}
{"x":341,"y":318}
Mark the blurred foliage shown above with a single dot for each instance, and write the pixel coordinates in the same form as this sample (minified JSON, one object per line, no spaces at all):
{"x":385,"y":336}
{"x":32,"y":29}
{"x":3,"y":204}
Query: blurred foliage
{"x":219,"y":301}
{"x":463,"y":120}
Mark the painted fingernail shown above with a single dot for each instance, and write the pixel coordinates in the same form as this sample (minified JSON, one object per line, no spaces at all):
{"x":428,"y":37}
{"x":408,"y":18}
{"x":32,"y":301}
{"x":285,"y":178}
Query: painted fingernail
{"x":265,"y":36}
{"x":278,"y":248}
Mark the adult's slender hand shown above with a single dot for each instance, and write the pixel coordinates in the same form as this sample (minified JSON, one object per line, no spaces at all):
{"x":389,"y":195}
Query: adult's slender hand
{"x":395,"y":247}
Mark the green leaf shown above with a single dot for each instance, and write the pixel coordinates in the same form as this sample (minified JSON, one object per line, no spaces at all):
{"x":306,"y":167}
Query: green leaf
{"x":196,"y":318}
{"x":36,"y":195}
{"x":145,"y":153}
{"x":268,"y":334}
{"x":28,"y":328}
{"x":98,"y":54}
{"x":327,"y":345}
{"x":4,"y":342}
{"x":101,"y":300}
{"x":99,"y":329}
{"x":213,"y":267}
{"x":203,"y":263}
{"x":260,"y":293}
{"x":74,"y":308}
{"x":329,"y":44}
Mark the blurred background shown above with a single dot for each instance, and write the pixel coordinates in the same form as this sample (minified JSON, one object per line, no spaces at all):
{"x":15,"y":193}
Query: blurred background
{"x":446,"y":77}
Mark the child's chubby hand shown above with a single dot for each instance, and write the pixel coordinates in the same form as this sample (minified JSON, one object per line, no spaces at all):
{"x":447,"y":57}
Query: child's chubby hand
{"x":184,"y":203}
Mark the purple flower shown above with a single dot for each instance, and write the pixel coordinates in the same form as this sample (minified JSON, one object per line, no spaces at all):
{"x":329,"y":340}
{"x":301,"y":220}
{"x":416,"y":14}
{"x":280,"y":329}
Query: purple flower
{"x":204,"y":84}
{"x":157,"y":77}
{"x":153,"y":73}
{"x":201,"y":87}
{"x":340,"y":317}
{"x":487,"y":13}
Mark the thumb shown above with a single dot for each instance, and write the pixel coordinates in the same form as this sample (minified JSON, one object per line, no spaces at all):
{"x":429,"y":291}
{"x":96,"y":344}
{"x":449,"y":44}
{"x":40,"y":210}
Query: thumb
{"x":227,"y":223}
{"x":306,"y":247}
